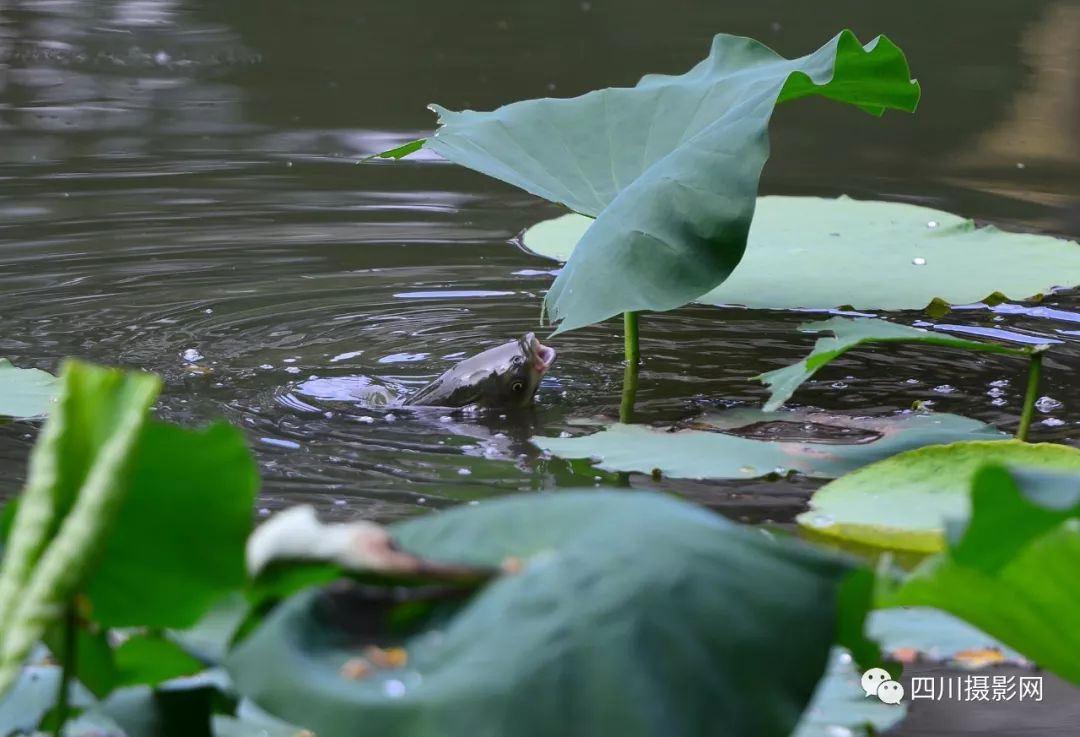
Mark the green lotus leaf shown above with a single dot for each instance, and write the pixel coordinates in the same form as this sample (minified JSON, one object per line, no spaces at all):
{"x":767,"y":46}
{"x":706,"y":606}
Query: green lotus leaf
{"x":95,"y":662}
{"x":669,"y":168}
{"x":817,"y":253}
{"x":1012,"y":568}
{"x":25,"y":392}
{"x":852,"y":333}
{"x":741,"y":444}
{"x":111,"y":503}
{"x":74,"y":488}
{"x":152,"y":658}
{"x":631,"y":614}
{"x":902,"y":503}
{"x":183,"y":483}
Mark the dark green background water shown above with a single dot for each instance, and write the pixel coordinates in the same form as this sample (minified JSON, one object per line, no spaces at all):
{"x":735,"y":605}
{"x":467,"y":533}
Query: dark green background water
{"x":179,"y":192}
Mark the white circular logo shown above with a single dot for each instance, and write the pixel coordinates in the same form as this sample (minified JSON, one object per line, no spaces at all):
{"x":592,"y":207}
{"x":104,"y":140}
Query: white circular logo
{"x":890,"y":692}
{"x":873,"y":678}
{"x":878,"y":682}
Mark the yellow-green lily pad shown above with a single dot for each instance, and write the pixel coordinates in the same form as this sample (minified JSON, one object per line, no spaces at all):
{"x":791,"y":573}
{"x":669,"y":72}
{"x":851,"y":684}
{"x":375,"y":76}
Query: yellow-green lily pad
{"x":902,"y":502}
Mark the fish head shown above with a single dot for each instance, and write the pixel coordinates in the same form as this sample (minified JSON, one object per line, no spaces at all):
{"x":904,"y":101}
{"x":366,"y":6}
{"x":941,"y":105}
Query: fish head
{"x":514,"y":370}
{"x":504,"y":376}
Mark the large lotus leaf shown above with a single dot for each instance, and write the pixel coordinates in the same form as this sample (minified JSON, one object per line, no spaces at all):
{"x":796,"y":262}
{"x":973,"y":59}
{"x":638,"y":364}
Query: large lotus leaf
{"x":811,"y":252}
{"x":1013,"y":570}
{"x":852,"y":333}
{"x":75,"y":486}
{"x":669,"y":167}
{"x":745,"y":444}
{"x":25,"y":392}
{"x":631,"y":614}
{"x":902,"y":503}
{"x":251,"y":721}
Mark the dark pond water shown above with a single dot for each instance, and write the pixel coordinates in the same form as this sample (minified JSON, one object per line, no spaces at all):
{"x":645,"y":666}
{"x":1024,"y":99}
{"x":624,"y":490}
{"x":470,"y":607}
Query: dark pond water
{"x":179,"y":192}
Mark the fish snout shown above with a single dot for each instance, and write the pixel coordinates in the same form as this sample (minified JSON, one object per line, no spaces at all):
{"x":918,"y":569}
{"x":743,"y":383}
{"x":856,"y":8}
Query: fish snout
{"x":542,"y":356}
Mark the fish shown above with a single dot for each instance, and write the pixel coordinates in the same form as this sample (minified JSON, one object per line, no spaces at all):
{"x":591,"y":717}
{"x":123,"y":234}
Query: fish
{"x":504,"y":376}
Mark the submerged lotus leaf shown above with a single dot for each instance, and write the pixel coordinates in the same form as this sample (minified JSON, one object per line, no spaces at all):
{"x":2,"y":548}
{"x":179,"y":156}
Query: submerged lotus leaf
{"x":1012,"y":568}
{"x":669,"y":168}
{"x":26,"y":392}
{"x":740,"y":444}
{"x":632,"y":614}
{"x":818,"y":253}
{"x":902,"y":503}
{"x":852,"y":333}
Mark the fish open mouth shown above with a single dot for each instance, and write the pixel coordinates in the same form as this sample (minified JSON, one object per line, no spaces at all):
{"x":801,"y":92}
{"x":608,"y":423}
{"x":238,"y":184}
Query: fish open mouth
{"x":542,"y":355}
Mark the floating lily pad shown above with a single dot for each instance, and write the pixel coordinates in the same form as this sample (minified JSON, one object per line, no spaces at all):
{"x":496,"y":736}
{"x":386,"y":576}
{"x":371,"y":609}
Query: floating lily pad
{"x":744,"y":444}
{"x":630,"y":614}
{"x":903,"y":502}
{"x":922,"y":633}
{"x":852,"y":333}
{"x":25,"y":393}
{"x":1012,"y":568}
{"x":669,"y":167}
{"x":818,"y":253}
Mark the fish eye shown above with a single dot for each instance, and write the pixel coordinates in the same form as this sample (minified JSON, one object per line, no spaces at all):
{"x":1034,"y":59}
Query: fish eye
{"x":517,"y":386}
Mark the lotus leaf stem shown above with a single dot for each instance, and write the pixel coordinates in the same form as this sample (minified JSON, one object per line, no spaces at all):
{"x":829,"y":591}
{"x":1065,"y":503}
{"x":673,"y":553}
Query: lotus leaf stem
{"x":1034,"y":376}
{"x":68,"y":656}
{"x":630,"y":372}
{"x":629,"y":393}
{"x":630,"y":338}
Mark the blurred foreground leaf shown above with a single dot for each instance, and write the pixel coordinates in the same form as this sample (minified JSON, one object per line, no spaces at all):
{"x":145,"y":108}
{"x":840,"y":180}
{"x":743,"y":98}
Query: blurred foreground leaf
{"x":632,"y":614}
{"x":1012,"y":569}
